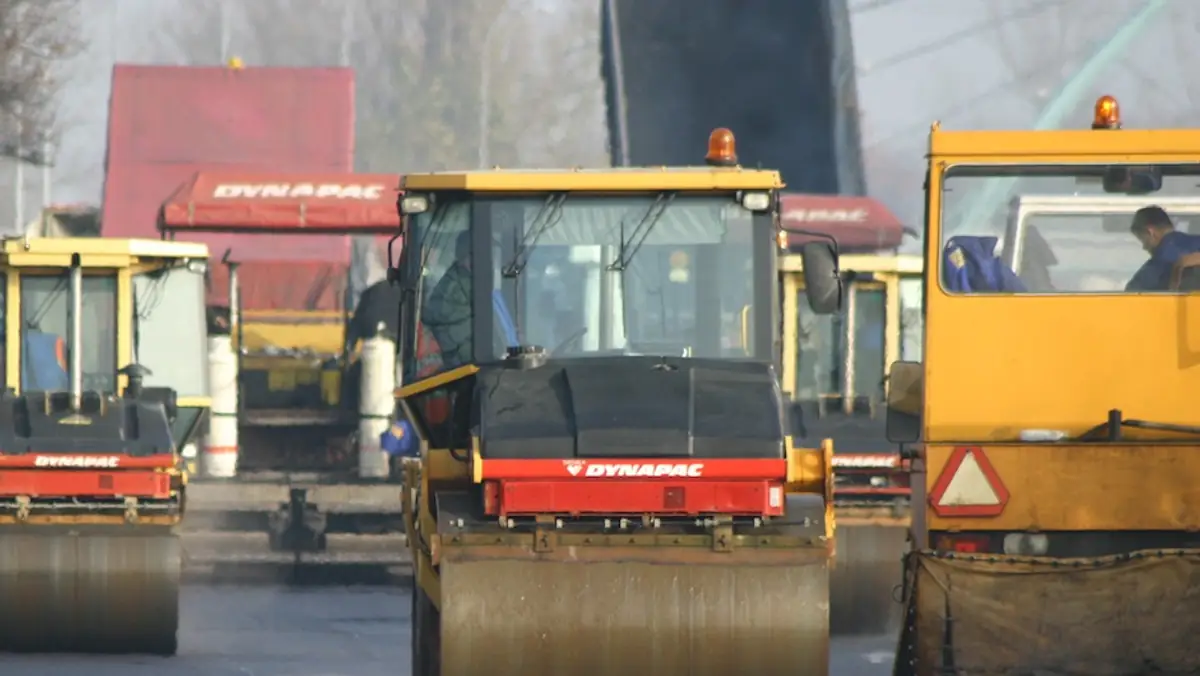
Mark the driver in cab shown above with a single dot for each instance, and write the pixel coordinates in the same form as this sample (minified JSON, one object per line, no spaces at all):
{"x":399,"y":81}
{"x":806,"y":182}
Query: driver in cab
{"x":1154,"y":229}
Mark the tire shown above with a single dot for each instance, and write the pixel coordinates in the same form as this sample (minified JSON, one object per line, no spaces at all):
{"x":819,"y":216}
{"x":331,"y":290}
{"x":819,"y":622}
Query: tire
{"x":417,"y":635}
{"x":426,"y":648}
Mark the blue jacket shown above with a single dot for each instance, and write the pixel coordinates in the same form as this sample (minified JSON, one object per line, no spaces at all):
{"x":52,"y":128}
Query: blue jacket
{"x":970,"y":265}
{"x":1155,"y":274}
{"x":399,"y":440}
{"x":41,"y":369}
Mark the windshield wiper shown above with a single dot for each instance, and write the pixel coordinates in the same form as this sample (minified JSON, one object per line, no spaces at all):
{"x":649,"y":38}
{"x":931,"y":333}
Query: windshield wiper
{"x":630,"y":246}
{"x":546,"y":217}
{"x":1110,"y":430}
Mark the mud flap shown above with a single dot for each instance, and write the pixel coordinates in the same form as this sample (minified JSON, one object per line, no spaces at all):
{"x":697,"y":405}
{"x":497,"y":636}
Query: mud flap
{"x":634,"y":610}
{"x":1111,"y":616}
{"x":89,"y":591}
{"x":864,"y":582}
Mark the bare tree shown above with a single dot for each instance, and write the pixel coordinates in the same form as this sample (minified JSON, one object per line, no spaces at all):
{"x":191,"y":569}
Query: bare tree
{"x":1043,"y":43}
{"x":35,"y":37}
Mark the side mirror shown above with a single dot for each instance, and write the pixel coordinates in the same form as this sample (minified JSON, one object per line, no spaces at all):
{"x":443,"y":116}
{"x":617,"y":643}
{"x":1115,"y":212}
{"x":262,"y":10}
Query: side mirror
{"x":1126,"y":180}
{"x":393,"y":258}
{"x":905,"y":401}
{"x":822,"y":281}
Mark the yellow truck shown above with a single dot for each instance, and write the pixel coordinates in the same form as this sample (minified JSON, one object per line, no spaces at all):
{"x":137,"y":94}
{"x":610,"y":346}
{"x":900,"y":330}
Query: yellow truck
{"x":833,"y":367}
{"x":1051,"y":422}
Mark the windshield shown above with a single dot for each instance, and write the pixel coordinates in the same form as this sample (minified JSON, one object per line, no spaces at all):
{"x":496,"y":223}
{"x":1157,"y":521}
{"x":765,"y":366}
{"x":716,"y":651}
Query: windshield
{"x":170,"y":330}
{"x":670,"y":274}
{"x":1066,"y":229}
{"x":46,"y":331}
{"x":632,"y":274}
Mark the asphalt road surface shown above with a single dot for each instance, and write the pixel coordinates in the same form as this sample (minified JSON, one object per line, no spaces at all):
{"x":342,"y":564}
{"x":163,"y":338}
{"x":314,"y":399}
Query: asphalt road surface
{"x":261,"y":631}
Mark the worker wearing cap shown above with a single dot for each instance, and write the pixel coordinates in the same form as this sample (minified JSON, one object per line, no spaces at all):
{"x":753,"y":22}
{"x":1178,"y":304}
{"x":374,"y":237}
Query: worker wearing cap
{"x":1154,"y":229}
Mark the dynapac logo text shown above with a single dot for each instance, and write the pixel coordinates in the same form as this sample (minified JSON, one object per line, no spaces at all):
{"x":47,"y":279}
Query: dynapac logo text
{"x":296,"y":190}
{"x":96,"y":461}
{"x":866,"y":461}
{"x":646,"y":469}
{"x":828,"y":215}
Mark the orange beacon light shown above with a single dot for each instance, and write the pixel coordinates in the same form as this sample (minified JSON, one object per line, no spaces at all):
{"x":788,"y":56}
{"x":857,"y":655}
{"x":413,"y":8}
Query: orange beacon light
{"x":1108,"y":113}
{"x":722,"y":150}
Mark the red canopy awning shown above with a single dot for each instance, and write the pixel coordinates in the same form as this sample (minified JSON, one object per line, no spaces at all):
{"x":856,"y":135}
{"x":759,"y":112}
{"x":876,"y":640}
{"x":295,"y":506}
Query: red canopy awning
{"x":857,"y":223}
{"x":232,"y":202}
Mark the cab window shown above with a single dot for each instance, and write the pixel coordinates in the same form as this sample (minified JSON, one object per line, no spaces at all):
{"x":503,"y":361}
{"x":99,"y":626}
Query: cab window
{"x":842,"y":355}
{"x":444,"y":335}
{"x":1065,"y":229}
{"x":45,"y":332}
{"x":640,"y":274}
{"x":170,"y":329}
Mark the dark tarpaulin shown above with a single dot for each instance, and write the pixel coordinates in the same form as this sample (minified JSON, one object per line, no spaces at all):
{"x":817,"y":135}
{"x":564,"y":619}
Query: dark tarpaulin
{"x":779,"y":73}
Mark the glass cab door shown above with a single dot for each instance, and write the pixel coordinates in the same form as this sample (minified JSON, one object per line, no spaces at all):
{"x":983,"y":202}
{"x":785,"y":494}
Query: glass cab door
{"x":838,"y":362}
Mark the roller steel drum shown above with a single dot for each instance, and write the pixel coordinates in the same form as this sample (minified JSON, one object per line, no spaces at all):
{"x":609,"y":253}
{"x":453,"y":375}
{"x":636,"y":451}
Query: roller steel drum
{"x":89,"y":590}
{"x":626,"y":610}
{"x":863,"y":596}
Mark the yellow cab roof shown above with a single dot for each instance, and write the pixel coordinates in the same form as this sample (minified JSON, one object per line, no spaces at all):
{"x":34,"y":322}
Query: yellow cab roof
{"x":634,"y":179}
{"x":95,"y":251}
{"x":1069,"y":145}
{"x":902,"y":264}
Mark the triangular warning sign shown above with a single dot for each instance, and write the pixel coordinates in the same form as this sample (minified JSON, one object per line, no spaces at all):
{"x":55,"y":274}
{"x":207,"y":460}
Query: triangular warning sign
{"x":968,"y":486}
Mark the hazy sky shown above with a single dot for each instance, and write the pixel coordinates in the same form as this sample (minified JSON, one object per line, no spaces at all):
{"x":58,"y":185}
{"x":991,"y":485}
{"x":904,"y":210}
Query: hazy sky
{"x":918,"y":60}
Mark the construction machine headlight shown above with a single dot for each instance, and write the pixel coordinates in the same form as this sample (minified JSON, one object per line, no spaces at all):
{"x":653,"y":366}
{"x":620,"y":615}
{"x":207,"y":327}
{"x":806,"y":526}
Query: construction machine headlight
{"x":1026,"y":544}
{"x":756,"y":201}
{"x":198,"y":267}
{"x":414,"y":204}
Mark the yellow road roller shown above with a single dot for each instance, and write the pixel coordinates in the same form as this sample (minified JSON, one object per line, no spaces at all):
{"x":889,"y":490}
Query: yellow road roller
{"x":105,"y":379}
{"x":1052,"y":424}
{"x":607,"y":482}
{"x":833,"y":366}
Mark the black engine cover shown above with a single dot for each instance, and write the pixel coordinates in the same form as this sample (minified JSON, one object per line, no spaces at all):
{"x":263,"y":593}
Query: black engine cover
{"x":631,"y":407}
{"x":43,"y":422}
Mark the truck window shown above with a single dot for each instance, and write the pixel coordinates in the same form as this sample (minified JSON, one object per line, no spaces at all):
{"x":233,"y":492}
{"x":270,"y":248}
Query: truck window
{"x":823,"y":371}
{"x":1055,"y":227}
{"x":45,"y":332}
{"x":170,"y":330}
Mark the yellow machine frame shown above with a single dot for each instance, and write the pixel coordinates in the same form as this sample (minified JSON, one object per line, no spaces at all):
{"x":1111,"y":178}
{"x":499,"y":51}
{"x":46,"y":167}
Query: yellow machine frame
{"x":809,"y":471}
{"x":1056,"y":362}
{"x":123,"y":257}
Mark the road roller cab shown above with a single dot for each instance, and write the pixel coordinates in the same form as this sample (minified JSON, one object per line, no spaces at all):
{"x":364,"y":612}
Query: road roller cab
{"x":105,"y":381}
{"x":590,"y":361}
{"x":1051,"y":425}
